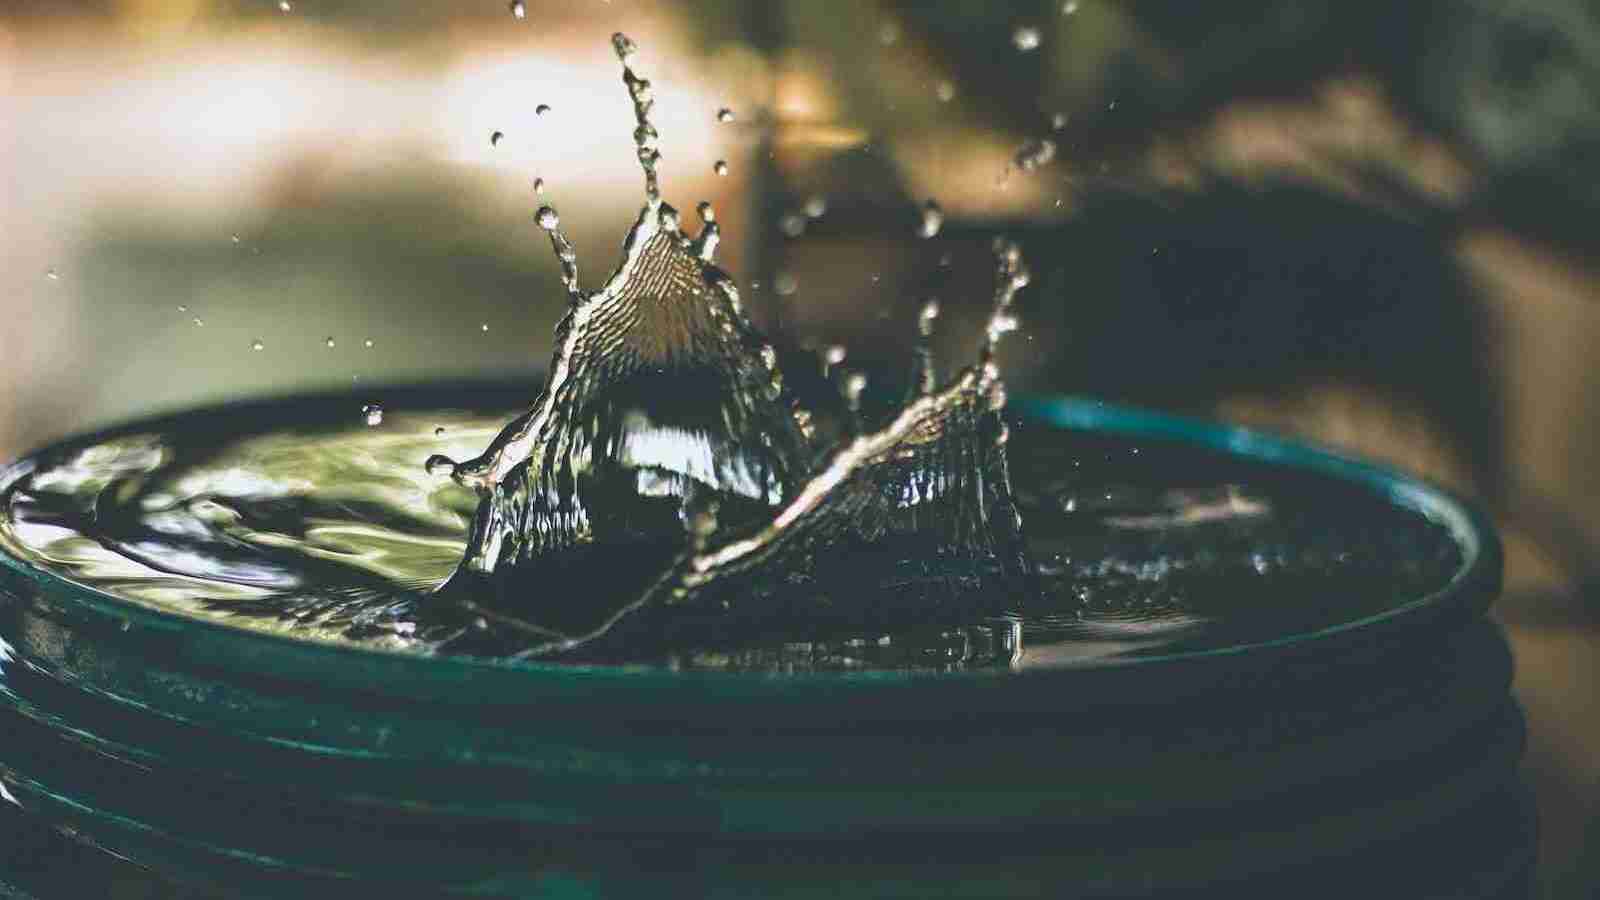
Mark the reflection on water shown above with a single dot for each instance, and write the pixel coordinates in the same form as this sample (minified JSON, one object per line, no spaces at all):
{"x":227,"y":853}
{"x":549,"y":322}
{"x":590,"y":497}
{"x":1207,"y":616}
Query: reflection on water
{"x":333,"y":532}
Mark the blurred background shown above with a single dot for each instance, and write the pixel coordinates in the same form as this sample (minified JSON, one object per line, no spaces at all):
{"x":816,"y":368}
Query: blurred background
{"x":1363,"y":222}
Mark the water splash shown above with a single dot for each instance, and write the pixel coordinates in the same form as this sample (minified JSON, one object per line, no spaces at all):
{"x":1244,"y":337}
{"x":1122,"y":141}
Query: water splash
{"x":666,"y":435}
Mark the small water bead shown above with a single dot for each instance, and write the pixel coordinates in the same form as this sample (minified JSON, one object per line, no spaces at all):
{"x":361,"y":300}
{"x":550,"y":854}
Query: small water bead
{"x":888,"y":34}
{"x":484,"y":327}
{"x":52,"y":274}
{"x":495,"y":138}
{"x":833,"y":355}
{"x":945,"y":91}
{"x":548,"y":218}
{"x":855,"y":384}
{"x":329,"y":342}
{"x":785,"y":284}
{"x":1069,"y":7}
{"x":367,"y":343}
{"x":720,"y":167}
{"x":1002,"y":324}
{"x":624,"y":47}
{"x":518,"y":10}
{"x":724,"y":115}
{"x":199,"y":322}
{"x":542,"y":109}
{"x":373,"y":414}
{"x":1025,"y":38}
{"x":235,"y":238}
{"x":438,"y":431}
{"x":257,"y":346}
{"x":792,"y":225}
{"x":926,"y":317}
{"x":706,"y":211}
{"x":538,"y":185}
{"x":182,"y":308}
{"x":1058,"y":121}
{"x":1034,"y":153}
{"x":815,"y":206}
{"x":932,"y":220}
{"x":284,"y":6}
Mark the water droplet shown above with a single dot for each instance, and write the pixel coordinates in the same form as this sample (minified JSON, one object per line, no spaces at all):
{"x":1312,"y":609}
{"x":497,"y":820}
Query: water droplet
{"x":720,"y":167}
{"x":284,"y":6}
{"x":932,"y":220}
{"x":542,"y":109}
{"x":548,"y":218}
{"x":1034,"y":153}
{"x":724,"y":115}
{"x":706,"y":211}
{"x":199,"y":322}
{"x":367,"y":343}
{"x":235,"y":238}
{"x":538,"y":185}
{"x":518,"y":10}
{"x":495,"y":137}
{"x":785,"y":284}
{"x":1058,"y":121}
{"x":328,"y":341}
{"x":1025,"y":38}
{"x":438,"y":431}
{"x":52,"y":274}
{"x":1069,"y":7}
{"x":888,"y":34}
{"x":792,"y":225}
{"x":815,"y":206}
{"x":945,"y":91}
{"x":182,"y":308}
{"x":834,"y":354}
{"x":257,"y":345}
{"x":484,"y":328}
{"x":373,"y":414}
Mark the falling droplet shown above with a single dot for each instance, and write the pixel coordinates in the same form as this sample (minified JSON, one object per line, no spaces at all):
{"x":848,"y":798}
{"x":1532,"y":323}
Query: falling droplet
{"x":199,"y":322}
{"x":548,"y":218}
{"x":785,"y":284}
{"x":52,"y":275}
{"x":888,"y":34}
{"x":328,"y":341}
{"x":932,"y":220}
{"x":182,"y":308}
{"x":542,"y":109}
{"x":439,"y":431}
{"x":815,"y":206}
{"x":792,"y":225}
{"x":1034,"y":153}
{"x":538,"y":185}
{"x":257,"y":345}
{"x":720,"y":167}
{"x":706,"y":211}
{"x":283,"y":6}
{"x":484,"y":328}
{"x":945,"y":91}
{"x":1069,"y":7}
{"x":1058,"y":121}
{"x":368,"y":343}
{"x":373,"y":413}
{"x":494,"y":138}
{"x":1025,"y":38}
{"x":235,"y":238}
{"x":518,"y":10}
{"x":724,"y":115}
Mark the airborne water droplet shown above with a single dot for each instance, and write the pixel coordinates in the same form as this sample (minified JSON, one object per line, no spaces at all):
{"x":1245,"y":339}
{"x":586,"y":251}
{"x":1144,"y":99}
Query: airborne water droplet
{"x":945,"y":91}
{"x":373,"y":413}
{"x":495,"y":138}
{"x":283,"y":6}
{"x":257,"y":345}
{"x":484,"y":327}
{"x":548,"y":218}
{"x":1025,"y":38}
{"x":888,"y":34}
{"x":785,"y":284}
{"x":932,"y":220}
{"x":538,"y":185}
{"x":235,"y":238}
{"x":52,"y":275}
{"x":329,"y":341}
{"x":199,"y":322}
{"x":1069,"y":7}
{"x":815,"y":206}
{"x":724,"y":115}
{"x":720,"y":167}
{"x":438,"y":431}
{"x":518,"y":10}
{"x":792,"y":225}
{"x":367,"y":343}
{"x":541,"y":109}
{"x":1058,"y":121}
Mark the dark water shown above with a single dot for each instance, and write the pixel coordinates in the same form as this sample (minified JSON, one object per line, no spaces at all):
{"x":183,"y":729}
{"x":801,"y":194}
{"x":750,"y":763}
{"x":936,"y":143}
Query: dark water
{"x":306,"y":521}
